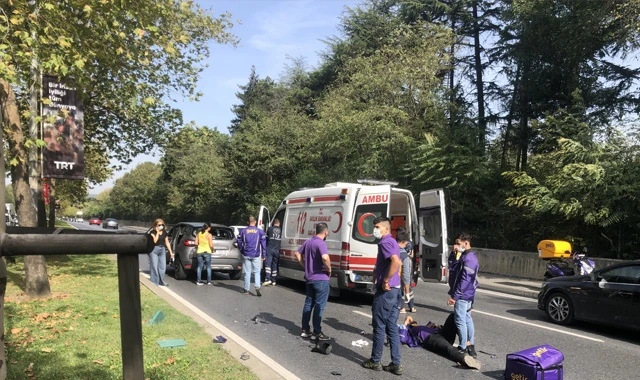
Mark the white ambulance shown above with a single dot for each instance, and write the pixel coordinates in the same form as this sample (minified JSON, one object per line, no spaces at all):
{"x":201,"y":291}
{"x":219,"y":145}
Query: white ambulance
{"x":349,"y":210}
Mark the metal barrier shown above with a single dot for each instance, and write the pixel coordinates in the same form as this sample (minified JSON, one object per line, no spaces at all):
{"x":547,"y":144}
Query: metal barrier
{"x":26,"y":241}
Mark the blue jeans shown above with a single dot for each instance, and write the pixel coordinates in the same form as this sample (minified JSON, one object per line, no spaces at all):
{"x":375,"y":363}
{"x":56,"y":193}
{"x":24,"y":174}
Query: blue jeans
{"x":252,"y":265}
{"x":464,"y":323}
{"x":317,"y":296}
{"x":157,"y":265}
{"x":271,"y":266}
{"x":204,"y":258}
{"x":385,"y":313}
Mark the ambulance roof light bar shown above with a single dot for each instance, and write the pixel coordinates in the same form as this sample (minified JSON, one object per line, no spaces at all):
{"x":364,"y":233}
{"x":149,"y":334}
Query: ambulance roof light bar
{"x":367,"y":181}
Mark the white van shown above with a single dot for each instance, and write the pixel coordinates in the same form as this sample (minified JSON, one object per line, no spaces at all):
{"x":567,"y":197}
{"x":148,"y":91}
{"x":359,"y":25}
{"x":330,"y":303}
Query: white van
{"x":349,"y":210}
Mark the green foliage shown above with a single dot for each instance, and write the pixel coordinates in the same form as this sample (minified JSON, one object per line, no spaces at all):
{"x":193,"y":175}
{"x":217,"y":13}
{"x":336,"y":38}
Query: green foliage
{"x":136,"y":196}
{"x":397,"y":96}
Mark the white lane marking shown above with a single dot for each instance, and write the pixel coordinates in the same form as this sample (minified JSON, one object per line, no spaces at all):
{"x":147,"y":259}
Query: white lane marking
{"x":503,"y":295}
{"x":517,"y":321}
{"x":363,"y":314}
{"x":539,"y":326}
{"x":246,"y":345}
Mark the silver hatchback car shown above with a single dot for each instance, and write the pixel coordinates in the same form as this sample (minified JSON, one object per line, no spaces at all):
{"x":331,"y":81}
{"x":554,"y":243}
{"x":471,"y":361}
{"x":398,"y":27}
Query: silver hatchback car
{"x":226,"y":258}
{"x":110,"y":223}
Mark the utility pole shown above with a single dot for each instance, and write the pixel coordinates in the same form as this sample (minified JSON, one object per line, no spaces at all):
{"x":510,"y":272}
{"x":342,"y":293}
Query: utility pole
{"x":35,"y":181}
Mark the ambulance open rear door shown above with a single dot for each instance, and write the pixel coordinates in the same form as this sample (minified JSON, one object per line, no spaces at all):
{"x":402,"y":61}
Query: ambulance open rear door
{"x":264,"y":218}
{"x":433,"y":244}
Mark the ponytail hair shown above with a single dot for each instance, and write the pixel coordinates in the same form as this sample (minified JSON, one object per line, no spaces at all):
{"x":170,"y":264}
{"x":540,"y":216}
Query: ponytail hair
{"x":205,"y":227}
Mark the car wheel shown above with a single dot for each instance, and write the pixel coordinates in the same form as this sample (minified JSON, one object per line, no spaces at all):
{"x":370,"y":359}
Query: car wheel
{"x":235,"y":274}
{"x":180,"y":273}
{"x":559,"y":308}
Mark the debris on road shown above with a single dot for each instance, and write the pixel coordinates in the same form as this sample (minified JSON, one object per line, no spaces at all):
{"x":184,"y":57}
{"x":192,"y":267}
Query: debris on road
{"x":360,"y":343}
{"x":336,"y":373}
{"x":171,"y":343}
{"x":259,"y":319}
{"x":157,"y":318}
{"x":245,"y":356}
{"x":219,"y":339}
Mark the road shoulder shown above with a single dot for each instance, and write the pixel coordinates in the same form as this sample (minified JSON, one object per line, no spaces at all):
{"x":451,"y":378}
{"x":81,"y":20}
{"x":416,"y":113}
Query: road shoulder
{"x":260,"y":364}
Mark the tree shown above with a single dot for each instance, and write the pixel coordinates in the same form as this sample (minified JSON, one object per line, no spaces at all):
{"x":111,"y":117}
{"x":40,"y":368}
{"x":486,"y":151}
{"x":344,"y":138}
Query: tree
{"x":136,"y":195}
{"x":127,"y":59}
{"x":195,"y":174}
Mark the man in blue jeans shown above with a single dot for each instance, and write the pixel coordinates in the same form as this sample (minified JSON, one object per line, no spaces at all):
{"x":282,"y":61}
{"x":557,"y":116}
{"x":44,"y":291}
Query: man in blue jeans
{"x":252,"y":243}
{"x":463,"y":283}
{"x":385,"y":309}
{"x":314,"y":258}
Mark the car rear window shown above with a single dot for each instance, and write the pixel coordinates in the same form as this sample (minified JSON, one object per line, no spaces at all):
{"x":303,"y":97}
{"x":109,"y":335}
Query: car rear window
{"x":220,"y":233}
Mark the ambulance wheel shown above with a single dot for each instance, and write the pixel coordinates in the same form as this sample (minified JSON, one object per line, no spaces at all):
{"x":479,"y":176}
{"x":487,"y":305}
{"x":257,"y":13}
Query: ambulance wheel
{"x":559,"y":308}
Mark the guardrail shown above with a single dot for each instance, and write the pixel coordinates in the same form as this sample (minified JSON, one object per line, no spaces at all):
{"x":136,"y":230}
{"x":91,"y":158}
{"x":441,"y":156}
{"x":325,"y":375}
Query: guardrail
{"x":26,"y":241}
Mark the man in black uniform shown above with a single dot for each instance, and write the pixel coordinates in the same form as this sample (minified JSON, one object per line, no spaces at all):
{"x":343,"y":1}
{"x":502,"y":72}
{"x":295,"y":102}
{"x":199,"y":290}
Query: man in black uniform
{"x":274,"y":234}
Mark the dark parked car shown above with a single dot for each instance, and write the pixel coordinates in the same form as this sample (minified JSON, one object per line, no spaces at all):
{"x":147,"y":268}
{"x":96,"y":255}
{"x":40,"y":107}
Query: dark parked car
{"x":226,"y":258}
{"x":610,"y":296}
{"x":110,"y":223}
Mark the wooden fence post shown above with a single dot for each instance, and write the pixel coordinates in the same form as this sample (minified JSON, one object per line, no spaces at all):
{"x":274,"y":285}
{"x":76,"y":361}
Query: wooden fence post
{"x":130,"y":317}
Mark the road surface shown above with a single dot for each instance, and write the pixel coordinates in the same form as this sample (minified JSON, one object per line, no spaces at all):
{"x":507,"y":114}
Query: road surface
{"x":504,"y":324}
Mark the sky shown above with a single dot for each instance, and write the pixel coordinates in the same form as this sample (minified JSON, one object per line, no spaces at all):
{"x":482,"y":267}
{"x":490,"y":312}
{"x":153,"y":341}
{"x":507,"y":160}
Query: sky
{"x":269,"y":31}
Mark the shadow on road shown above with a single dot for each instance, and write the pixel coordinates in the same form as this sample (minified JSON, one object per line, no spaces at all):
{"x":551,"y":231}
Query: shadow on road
{"x":612,"y":332}
{"x":337,"y":349}
{"x":497,"y":374}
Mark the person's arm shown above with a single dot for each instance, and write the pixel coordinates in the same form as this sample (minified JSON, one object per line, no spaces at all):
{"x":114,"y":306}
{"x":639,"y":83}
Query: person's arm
{"x":154,"y":236}
{"x":210,"y":238}
{"x":166,"y":242}
{"x":299,"y":256}
{"x":326,"y":260}
{"x":240,"y":241}
{"x":263,"y":244}
{"x":393,"y":269}
{"x":469,"y":271}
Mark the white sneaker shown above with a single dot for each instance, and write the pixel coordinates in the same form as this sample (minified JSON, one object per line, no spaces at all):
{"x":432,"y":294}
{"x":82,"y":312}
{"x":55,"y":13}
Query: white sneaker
{"x":266,"y":283}
{"x":199,"y":283}
{"x":273,"y":284}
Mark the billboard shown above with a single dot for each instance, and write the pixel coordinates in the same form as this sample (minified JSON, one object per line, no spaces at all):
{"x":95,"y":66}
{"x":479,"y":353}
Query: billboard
{"x":63,"y":130}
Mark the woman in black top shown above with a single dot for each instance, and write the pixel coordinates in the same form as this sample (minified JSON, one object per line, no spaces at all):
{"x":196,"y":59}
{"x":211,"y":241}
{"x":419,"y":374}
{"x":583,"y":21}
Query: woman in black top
{"x":158,"y":256}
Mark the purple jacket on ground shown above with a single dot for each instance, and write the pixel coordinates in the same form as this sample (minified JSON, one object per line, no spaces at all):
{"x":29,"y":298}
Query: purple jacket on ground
{"x":252,"y":242}
{"x":463,"y":276}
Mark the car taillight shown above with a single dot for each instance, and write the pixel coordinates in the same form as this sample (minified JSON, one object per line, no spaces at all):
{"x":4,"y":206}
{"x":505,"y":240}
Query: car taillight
{"x":190,"y":243}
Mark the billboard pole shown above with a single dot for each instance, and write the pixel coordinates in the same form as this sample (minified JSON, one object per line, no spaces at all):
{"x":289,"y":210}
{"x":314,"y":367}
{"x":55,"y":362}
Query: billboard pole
{"x":35,"y":179}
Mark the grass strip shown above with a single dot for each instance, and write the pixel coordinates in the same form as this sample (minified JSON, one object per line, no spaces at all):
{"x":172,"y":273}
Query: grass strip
{"x":75,"y":333}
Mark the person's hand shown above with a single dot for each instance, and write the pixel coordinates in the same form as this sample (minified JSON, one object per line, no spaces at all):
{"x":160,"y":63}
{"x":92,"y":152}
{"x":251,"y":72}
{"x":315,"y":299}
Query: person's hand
{"x":385,"y":285}
{"x":451,"y":302}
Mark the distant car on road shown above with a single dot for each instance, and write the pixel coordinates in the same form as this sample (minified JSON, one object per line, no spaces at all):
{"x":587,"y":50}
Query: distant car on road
{"x":110,"y":223}
{"x":95,"y":221}
{"x":237,"y":229}
{"x":80,"y":220}
{"x":226,"y":258}
{"x":610,"y":296}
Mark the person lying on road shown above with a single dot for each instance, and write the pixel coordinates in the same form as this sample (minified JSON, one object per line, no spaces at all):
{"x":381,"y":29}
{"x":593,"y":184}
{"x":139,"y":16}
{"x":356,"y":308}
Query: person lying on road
{"x":437,"y":339}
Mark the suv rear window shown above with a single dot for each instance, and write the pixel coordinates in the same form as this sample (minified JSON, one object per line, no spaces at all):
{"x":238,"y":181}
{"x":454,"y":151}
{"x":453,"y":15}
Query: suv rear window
{"x":220,"y":233}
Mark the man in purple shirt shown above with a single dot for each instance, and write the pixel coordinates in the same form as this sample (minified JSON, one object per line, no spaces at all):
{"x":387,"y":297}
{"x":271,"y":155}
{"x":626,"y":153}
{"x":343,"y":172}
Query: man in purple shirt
{"x":385,"y":309}
{"x":314,"y":258}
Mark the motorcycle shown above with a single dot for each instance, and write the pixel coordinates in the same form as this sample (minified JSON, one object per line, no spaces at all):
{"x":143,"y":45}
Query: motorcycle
{"x":580,"y":265}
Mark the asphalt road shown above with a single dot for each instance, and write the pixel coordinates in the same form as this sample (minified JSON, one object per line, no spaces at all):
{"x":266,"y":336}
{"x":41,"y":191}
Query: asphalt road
{"x":503,"y":323}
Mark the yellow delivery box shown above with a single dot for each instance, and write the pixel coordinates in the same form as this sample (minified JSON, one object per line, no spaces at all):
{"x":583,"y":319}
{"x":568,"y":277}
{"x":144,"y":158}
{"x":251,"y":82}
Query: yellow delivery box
{"x":554,"y":249}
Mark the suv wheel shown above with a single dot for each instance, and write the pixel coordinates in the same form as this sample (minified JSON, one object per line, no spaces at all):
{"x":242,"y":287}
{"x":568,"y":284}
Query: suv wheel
{"x":179,"y":272}
{"x":235,"y":274}
{"x":559,"y":308}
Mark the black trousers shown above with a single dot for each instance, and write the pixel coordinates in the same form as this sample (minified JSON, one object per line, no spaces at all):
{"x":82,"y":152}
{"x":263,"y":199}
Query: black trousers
{"x":441,"y":342}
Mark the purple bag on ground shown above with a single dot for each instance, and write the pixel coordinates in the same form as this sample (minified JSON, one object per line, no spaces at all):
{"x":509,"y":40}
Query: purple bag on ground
{"x":535,"y":363}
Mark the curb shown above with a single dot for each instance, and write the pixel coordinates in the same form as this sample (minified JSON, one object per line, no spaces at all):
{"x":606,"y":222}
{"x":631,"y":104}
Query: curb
{"x":507,"y":290}
{"x":261,"y":365}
